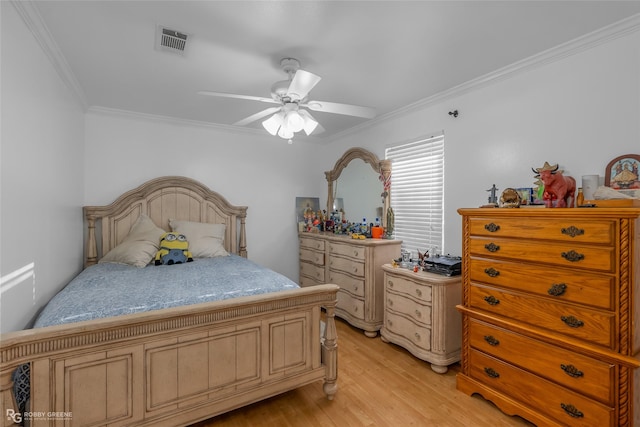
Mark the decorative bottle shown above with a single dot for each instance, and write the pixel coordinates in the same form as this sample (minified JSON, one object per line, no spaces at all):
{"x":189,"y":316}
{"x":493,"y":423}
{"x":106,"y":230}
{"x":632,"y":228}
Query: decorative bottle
{"x":579,"y":198}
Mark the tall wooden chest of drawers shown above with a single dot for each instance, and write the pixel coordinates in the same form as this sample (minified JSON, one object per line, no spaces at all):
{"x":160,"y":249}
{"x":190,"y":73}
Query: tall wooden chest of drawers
{"x":356,"y":266}
{"x":550,"y":307}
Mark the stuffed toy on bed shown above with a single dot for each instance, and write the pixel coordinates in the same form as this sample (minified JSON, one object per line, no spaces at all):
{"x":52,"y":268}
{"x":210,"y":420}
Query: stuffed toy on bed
{"x":174,"y":249}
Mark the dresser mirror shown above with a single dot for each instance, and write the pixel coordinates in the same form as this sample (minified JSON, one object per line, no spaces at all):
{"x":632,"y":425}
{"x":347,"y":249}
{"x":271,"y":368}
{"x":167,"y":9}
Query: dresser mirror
{"x":355,"y":187}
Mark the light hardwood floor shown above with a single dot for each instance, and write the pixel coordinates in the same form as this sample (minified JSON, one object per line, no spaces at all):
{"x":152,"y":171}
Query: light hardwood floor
{"x":380,"y":384}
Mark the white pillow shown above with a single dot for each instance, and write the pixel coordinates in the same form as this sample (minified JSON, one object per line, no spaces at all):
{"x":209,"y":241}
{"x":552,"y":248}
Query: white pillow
{"x":140,"y":245}
{"x":205,"y":240}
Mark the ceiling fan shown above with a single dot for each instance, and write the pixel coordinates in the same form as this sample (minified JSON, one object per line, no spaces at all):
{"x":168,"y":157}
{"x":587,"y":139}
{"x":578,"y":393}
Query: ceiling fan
{"x":292,"y":99}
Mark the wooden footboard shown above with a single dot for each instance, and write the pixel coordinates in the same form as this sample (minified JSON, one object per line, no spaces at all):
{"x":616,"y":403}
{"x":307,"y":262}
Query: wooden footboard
{"x":175,"y":366}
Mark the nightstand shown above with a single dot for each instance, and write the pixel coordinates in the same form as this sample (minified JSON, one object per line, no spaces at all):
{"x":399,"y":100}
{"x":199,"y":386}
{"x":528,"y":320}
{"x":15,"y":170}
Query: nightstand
{"x":420,"y":315}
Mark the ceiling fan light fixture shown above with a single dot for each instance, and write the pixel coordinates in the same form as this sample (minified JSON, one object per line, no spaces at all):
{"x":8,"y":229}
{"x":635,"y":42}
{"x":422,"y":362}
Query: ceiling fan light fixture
{"x":285,"y":133}
{"x":310,"y":123}
{"x":294,"y":121}
{"x":273,"y":123}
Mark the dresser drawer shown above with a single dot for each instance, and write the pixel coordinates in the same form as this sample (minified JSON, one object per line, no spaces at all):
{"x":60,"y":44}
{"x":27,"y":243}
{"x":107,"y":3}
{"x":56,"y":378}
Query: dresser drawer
{"x":408,"y":287}
{"x":416,"y":333}
{"x":564,"y":254}
{"x":347,"y":266}
{"x":312,"y":256}
{"x":309,"y":243}
{"x":558,"y":230}
{"x":312,"y":270}
{"x":419,"y":312}
{"x":347,"y":283}
{"x":580,"y":373}
{"x":309,"y":281}
{"x":351,"y":251}
{"x":594,"y":289}
{"x":566,"y":406}
{"x":351,"y":305}
{"x":574,"y":321}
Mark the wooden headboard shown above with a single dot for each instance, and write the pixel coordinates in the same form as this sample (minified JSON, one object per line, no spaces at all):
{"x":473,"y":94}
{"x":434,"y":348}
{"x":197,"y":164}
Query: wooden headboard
{"x":162,"y":199}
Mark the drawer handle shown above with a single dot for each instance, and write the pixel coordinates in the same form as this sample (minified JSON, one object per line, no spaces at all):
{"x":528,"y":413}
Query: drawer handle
{"x":355,"y":269}
{"x":572,"y":321}
{"x":355,"y":253}
{"x":491,"y":227}
{"x":389,"y":302}
{"x":492,"y":247}
{"x":491,"y":272}
{"x":572,"y":256}
{"x":491,"y":340}
{"x":355,"y":288}
{"x":572,"y":371}
{"x":390,"y":282}
{"x":557,"y":289}
{"x":572,"y":231}
{"x":389,"y":322}
{"x":417,"y":336}
{"x":571,"y":410}
{"x":418,"y":314}
{"x":491,"y":373}
{"x":491,"y":300}
{"x":418,"y":292}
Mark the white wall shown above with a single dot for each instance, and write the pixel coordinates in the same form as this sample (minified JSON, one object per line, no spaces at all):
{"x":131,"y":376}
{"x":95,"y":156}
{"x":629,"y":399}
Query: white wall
{"x":580,"y":111}
{"x":259,"y":171}
{"x":40,"y":177}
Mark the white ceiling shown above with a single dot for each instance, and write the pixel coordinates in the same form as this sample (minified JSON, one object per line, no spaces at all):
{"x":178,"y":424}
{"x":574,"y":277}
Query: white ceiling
{"x":381,"y":54}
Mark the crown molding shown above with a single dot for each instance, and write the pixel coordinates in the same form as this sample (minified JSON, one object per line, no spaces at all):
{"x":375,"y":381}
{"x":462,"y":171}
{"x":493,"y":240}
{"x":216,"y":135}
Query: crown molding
{"x":34,"y":22}
{"x":588,"y":41}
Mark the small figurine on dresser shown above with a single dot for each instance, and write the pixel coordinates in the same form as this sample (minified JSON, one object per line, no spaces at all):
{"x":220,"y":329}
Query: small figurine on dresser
{"x":558,"y":190}
{"x":510,"y":198}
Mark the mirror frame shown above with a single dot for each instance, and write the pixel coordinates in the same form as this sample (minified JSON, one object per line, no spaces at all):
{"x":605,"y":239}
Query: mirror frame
{"x":381,"y":167}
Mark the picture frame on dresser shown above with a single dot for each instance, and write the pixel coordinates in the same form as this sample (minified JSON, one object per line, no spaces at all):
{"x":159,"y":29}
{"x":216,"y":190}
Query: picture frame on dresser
{"x":304,"y":203}
{"x":622,"y":173}
{"x":526,"y":195}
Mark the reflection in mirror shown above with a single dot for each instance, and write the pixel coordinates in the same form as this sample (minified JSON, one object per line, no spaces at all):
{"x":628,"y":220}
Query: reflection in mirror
{"x":357,"y":192}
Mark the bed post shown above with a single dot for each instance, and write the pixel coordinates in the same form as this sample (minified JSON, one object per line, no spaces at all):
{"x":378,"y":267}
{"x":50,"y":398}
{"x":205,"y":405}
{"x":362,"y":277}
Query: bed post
{"x":243,"y":238}
{"x":92,"y":246}
{"x":330,"y":348}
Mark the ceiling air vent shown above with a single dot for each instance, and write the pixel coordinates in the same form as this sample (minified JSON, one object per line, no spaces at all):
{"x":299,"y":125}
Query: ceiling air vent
{"x":171,"y":40}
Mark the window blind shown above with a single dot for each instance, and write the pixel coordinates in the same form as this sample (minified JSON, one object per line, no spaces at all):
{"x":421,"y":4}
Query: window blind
{"x":417,"y":193}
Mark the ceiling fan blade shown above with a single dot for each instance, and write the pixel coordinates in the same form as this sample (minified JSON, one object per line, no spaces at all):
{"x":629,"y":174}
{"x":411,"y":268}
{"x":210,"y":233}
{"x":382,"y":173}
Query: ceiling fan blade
{"x":233,"y":95}
{"x":301,"y":85}
{"x":333,"y":107}
{"x":256,"y":116}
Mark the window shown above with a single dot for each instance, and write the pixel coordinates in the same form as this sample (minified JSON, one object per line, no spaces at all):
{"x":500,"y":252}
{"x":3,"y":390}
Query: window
{"x":417,"y":192}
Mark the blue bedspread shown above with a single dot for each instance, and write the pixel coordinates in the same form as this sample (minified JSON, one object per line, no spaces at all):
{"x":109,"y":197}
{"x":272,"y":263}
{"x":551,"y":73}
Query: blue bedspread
{"x":105,"y":290}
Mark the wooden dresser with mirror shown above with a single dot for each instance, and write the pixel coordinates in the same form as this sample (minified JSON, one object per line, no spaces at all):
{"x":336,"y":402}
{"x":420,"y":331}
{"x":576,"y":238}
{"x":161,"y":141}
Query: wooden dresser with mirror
{"x":550,"y":313}
{"x":353,"y":264}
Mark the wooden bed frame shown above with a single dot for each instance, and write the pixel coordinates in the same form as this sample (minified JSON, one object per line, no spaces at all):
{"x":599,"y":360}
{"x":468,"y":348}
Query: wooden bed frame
{"x":178,"y":365}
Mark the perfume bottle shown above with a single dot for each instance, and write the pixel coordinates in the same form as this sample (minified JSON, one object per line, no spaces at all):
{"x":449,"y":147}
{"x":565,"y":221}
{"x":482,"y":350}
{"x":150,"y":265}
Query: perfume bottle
{"x":580,"y":197}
